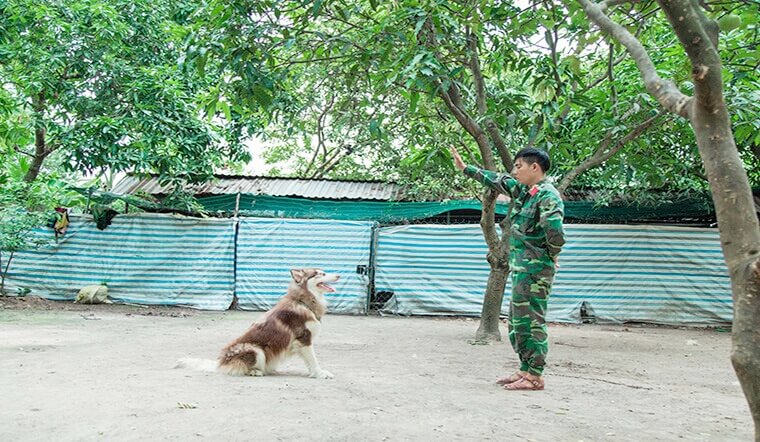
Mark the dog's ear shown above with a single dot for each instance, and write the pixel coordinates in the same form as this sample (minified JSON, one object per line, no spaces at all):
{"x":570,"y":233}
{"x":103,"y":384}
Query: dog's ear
{"x":297,"y":275}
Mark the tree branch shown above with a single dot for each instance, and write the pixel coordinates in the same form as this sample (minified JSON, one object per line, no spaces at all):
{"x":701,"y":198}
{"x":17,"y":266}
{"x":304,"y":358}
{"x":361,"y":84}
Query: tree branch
{"x":665,"y":91}
{"x":480,"y":93}
{"x":18,"y":150}
{"x":477,"y":74}
{"x":611,"y":76}
{"x":330,"y":163}
{"x":604,"y":153}
{"x":320,"y":134}
{"x":452,"y":99}
{"x":699,"y":37}
{"x":607,"y":4}
{"x":487,"y":220}
{"x":601,"y":78}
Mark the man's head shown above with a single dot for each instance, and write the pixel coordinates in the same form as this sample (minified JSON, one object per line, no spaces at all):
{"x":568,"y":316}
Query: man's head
{"x":530,"y":165}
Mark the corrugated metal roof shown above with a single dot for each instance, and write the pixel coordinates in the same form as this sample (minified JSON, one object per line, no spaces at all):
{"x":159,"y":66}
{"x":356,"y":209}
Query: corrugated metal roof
{"x":304,"y":188}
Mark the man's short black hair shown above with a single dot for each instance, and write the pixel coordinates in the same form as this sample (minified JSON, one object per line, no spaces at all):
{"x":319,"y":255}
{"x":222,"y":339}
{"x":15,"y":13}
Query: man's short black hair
{"x":532,"y":155}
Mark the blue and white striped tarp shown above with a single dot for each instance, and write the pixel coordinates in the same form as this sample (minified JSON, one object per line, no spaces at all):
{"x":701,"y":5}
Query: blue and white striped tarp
{"x":142,"y":258}
{"x":659,"y":274}
{"x":268,"y":248}
{"x":432,"y":269}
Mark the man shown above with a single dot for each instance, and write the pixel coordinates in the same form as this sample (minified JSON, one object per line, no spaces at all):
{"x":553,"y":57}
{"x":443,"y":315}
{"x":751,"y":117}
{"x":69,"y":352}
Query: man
{"x":535,"y":242}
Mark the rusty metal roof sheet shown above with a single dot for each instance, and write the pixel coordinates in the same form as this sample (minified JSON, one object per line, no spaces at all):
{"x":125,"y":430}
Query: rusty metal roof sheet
{"x":304,"y":188}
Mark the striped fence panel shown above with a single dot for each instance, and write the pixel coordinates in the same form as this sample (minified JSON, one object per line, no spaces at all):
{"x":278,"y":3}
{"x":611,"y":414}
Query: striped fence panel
{"x":268,"y":248}
{"x":671,"y":275}
{"x":432,"y":269}
{"x":142,"y":258}
{"x":660,"y":274}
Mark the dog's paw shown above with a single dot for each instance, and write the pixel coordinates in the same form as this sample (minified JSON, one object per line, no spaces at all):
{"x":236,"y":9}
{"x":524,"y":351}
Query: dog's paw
{"x":256,"y":373}
{"x":321,"y":374}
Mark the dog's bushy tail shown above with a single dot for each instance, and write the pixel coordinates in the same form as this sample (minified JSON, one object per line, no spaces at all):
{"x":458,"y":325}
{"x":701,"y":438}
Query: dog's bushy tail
{"x":197,"y":364}
{"x":241,"y":359}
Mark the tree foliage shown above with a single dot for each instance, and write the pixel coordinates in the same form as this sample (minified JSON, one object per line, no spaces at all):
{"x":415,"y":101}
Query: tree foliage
{"x":25,"y":206}
{"x":351,"y":89}
{"x":99,"y":82}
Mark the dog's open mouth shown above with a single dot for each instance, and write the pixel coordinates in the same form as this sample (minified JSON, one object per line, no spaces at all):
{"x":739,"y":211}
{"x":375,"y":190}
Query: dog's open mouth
{"x":326,"y":287}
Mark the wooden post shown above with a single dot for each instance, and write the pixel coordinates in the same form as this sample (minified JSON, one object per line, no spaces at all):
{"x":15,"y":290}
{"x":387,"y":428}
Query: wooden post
{"x":237,"y":205}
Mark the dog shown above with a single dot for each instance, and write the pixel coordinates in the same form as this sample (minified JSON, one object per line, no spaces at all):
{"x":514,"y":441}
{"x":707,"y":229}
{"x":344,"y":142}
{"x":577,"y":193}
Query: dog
{"x":288,"y":329}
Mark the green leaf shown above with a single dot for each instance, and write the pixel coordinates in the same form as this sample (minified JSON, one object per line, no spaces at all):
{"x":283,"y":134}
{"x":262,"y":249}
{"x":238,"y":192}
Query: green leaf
{"x":262,"y":96}
{"x":316,"y":8}
{"x":226,"y":109}
{"x":413,"y":99}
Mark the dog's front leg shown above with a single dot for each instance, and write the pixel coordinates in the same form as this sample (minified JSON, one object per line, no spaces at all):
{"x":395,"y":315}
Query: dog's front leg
{"x":308,"y":356}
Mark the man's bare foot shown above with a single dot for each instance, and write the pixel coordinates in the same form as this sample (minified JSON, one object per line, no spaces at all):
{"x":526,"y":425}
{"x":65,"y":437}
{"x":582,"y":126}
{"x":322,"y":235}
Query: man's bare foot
{"x":527,"y":383}
{"x":514,"y":377}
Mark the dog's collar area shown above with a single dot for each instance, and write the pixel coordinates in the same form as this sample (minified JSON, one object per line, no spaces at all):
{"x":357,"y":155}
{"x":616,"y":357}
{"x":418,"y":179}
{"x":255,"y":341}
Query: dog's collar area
{"x":319,"y":318}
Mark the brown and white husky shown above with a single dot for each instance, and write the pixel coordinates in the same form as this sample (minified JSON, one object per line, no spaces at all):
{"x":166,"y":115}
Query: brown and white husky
{"x":288,"y":329}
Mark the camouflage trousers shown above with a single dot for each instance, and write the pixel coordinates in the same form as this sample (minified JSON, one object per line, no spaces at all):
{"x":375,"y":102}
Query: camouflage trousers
{"x":527,"y":310}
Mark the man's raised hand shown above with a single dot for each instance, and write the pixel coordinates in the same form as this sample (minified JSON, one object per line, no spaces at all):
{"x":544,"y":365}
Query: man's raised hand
{"x":457,"y":159}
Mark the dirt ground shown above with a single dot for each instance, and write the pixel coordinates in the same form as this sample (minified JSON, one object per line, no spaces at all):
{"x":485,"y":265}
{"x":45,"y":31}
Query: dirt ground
{"x":104,"y":372}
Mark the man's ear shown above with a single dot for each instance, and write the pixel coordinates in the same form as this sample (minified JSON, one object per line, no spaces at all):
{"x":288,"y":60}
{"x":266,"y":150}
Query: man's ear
{"x":297,"y":275}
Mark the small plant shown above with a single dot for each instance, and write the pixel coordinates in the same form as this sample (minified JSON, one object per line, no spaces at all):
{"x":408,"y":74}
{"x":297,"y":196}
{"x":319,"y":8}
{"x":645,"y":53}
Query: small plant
{"x":26,"y":206}
{"x":17,"y":233}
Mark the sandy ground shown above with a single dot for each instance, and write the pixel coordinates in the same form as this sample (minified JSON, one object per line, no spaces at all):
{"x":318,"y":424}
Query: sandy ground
{"x":105,"y":373}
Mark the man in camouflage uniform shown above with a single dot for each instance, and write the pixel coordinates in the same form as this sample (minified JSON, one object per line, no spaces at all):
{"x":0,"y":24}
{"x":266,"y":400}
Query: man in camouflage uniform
{"x":535,"y":242}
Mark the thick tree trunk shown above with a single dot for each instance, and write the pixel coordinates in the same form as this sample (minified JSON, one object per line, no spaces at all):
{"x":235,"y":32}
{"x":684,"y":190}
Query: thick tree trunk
{"x":740,"y":240}
{"x":732,"y":196}
{"x":745,"y":352}
{"x":729,"y":184}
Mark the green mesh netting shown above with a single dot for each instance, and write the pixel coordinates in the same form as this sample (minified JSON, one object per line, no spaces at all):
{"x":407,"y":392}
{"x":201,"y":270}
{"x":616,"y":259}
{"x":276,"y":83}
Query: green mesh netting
{"x":382,"y":211}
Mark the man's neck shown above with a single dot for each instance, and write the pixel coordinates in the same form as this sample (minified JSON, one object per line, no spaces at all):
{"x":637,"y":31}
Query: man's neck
{"x":537,"y":180}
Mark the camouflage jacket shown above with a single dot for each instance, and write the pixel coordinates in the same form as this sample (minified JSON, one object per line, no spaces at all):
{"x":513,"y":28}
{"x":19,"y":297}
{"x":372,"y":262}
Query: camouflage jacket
{"x":537,"y":235}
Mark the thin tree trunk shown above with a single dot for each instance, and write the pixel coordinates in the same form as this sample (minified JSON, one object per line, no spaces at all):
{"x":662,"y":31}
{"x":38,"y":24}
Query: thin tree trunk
{"x":498,"y":248}
{"x":745,"y":354}
{"x":488,"y":330}
{"x":41,"y":150}
{"x":4,"y":273}
{"x":39,"y":155}
{"x":498,"y":260}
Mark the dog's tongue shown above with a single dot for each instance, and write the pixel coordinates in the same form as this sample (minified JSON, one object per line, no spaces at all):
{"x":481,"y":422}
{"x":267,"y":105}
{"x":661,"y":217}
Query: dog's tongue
{"x":326,"y":287}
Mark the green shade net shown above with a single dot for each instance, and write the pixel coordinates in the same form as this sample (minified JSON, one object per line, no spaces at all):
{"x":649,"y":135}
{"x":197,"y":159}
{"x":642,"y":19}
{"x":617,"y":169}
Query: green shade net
{"x":390,"y":212}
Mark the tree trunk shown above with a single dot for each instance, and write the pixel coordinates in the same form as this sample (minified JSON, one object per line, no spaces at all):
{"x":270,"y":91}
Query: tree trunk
{"x":4,"y":272}
{"x":41,"y":150}
{"x":498,"y":259}
{"x":731,"y":192}
{"x":745,"y":352}
{"x":40,"y":153}
{"x":488,"y":330}
{"x":729,"y":185}
{"x":2,"y":275}
{"x":740,"y":240}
